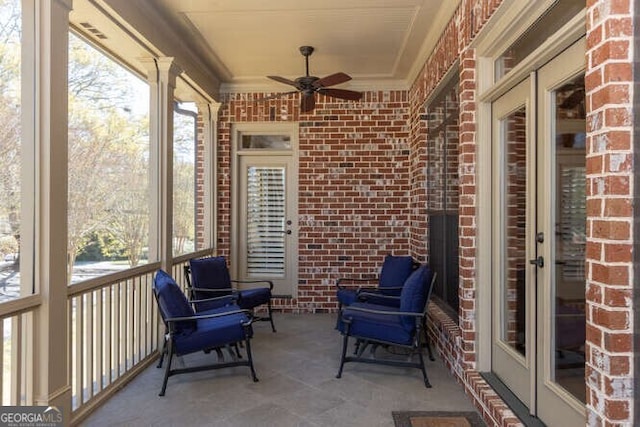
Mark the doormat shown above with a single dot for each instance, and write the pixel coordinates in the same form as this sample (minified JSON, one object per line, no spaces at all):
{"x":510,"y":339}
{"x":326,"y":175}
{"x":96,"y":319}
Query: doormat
{"x":437,"y":419}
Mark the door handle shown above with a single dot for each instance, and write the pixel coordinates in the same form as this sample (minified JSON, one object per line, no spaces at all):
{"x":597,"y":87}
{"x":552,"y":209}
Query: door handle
{"x":286,"y":231}
{"x":537,"y":261}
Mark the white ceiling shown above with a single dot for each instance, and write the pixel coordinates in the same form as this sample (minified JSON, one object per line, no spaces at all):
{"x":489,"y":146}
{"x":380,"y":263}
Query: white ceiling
{"x":379,"y":43}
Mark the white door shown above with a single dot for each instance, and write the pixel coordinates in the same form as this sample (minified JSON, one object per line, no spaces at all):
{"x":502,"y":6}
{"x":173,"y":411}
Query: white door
{"x":561,"y":282}
{"x":265,"y":219}
{"x":538,"y":241}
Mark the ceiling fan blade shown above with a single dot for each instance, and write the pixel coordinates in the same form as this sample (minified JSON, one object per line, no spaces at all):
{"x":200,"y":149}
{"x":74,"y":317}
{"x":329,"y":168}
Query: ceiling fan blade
{"x":341,"y":93}
{"x":283,"y":80}
{"x":333,"y":79}
{"x":275,"y":96}
{"x":307,"y":103}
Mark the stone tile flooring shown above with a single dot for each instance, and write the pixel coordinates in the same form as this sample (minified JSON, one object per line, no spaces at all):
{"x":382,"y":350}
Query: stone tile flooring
{"x":297,"y":367}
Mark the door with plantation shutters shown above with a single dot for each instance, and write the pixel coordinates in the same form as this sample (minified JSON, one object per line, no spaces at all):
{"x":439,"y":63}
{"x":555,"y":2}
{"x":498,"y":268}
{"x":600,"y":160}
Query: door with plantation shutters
{"x":265,"y":204}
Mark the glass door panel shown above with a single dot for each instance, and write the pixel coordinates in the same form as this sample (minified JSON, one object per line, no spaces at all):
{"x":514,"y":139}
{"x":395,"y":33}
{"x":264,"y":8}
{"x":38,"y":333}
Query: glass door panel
{"x":513,"y":171}
{"x":569,"y":252}
{"x":514,"y":138}
{"x":265,"y":221}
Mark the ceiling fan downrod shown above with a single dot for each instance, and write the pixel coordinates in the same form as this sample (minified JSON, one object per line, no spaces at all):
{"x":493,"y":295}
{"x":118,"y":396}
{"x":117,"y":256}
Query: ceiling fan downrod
{"x":306,"y":51}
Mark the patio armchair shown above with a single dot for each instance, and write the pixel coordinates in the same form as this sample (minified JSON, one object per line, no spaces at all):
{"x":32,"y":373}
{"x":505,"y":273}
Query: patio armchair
{"x":207,"y":277}
{"x":394,"y":272}
{"x":188,"y":332}
{"x":389,"y":326}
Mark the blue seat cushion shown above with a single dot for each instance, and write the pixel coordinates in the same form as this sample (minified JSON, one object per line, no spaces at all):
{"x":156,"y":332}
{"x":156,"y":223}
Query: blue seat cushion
{"x":173,"y":302}
{"x":374,"y":326}
{"x":209,"y":273}
{"x":414,"y":294}
{"x":347,"y":296}
{"x":212,"y":332}
{"x":395,"y":271}
{"x":250,"y":298}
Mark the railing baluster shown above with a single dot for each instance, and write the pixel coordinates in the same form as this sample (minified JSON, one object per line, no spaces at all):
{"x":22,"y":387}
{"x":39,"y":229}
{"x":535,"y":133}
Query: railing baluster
{"x":26,"y":319}
{"x":108,"y":345}
{"x":97,"y":339}
{"x":88,"y":346}
{"x":131,"y":336}
{"x":77,"y":337}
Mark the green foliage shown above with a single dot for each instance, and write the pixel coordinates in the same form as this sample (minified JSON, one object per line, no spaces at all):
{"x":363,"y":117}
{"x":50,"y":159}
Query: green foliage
{"x":101,"y":246}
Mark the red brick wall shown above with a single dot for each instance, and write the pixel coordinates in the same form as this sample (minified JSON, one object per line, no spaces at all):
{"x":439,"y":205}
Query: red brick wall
{"x":353,"y":180}
{"x":609,"y":266}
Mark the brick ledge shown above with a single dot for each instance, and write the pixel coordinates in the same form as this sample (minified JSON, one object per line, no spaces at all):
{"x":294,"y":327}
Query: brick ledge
{"x":446,"y":336}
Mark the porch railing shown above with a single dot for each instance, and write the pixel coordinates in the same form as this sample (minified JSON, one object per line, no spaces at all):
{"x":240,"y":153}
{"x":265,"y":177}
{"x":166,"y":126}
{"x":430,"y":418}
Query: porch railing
{"x":115,"y":331}
{"x":16,"y":350}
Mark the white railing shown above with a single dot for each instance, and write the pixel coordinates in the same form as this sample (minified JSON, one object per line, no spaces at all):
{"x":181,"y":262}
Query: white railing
{"x":16,"y":351}
{"x":114,"y":331}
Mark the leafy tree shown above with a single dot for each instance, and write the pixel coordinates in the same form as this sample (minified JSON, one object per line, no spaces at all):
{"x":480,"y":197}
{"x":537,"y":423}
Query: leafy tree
{"x":10,"y":150}
{"x":183,"y":182}
{"x":108,"y":152}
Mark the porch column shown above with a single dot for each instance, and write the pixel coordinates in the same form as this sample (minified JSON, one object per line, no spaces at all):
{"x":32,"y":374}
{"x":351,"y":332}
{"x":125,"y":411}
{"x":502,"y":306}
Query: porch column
{"x":209,"y":113}
{"x":161,"y":75}
{"x":45,"y":129}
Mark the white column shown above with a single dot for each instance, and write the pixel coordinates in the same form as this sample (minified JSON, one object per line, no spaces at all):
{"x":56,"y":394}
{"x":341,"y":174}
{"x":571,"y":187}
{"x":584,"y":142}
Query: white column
{"x":162,"y":75}
{"x":45,"y":131}
{"x":209,"y":113}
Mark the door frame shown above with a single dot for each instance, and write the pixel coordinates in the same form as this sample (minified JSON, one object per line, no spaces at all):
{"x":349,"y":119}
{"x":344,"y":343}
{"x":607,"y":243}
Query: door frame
{"x":264,"y":128}
{"x":510,"y":21}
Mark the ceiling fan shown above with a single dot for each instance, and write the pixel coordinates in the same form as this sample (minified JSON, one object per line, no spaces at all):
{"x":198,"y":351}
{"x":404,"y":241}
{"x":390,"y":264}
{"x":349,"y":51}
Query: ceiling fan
{"x":308,"y":85}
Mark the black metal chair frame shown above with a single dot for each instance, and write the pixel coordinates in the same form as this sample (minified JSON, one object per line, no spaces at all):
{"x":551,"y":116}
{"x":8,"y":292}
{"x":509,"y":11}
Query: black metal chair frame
{"x":360,"y":344}
{"x":234,"y":292}
{"x":415,"y":347}
{"x":420,"y":334}
{"x":356,"y":282}
{"x":168,"y":349}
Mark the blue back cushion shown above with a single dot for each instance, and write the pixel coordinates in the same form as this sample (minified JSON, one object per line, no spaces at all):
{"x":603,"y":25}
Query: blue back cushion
{"x":414,"y":294}
{"x":210,"y":273}
{"x":395,"y":271}
{"x":173,"y":302}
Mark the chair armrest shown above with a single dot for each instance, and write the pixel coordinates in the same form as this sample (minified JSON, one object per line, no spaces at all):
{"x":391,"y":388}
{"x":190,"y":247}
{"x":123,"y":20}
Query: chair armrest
{"x":355,"y":281}
{"x":269,"y":282}
{"x":171,"y":320}
{"x":233,"y":297}
{"x":364,"y":295}
{"x":384,"y":312}
{"x":213,"y":291}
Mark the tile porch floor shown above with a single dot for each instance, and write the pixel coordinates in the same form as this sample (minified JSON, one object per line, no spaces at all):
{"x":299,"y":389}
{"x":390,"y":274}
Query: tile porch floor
{"x":297,"y":367}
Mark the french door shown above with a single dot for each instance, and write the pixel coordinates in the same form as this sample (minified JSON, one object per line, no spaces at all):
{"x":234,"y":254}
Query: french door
{"x":264,"y":224}
{"x":538,"y":240}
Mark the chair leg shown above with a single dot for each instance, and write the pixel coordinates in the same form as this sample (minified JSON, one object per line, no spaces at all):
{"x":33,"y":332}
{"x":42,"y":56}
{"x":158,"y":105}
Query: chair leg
{"x":345,"y":343}
{"x":167,"y":371}
{"x":273,"y":328}
{"x":249,"y":356}
{"x":163,"y":352}
{"x":427,"y":384}
{"x":428,"y":342}
{"x":338,"y":318}
{"x":238,"y":354}
{"x":220,"y":355}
